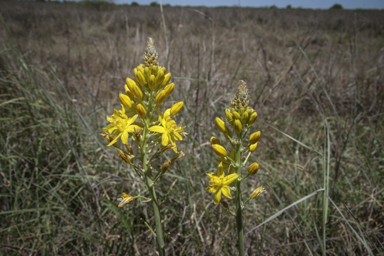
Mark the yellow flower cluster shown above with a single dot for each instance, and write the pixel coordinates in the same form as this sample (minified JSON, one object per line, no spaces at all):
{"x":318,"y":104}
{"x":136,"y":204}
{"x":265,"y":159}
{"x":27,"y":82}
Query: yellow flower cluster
{"x":240,"y":118}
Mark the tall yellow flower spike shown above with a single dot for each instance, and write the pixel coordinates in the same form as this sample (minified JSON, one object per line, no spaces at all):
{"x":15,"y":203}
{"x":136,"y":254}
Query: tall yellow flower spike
{"x":240,"y":118}
{"x":147,"y":125}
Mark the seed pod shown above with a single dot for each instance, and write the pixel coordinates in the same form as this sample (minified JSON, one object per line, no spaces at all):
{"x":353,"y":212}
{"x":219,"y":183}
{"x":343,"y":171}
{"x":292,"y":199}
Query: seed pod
{"x":253,"y":168}
{"x":252,"y":147}
{"x":160,"y":98}
{"x":128,"y":92}
{"x":254,"y":137}
{"x":167,"y":77}
{"x":252,"y":118}
{"x":129,"y":148}
{"x":152,"y":82}
{"x":165,"y":148}
{"x":165,"y":167}
{"x":176,"y":108}
{"x":214,"y":140}
{"x":177,"y":156}
{"x":125,"y":100}
{"x":224,"y":204}
{"x":237,"y":126}
{"x":141,"y":111}
{"x":228,"y":115}
{"x":109,"y":139}
{"x":257,"y":192}
{"x":219,"y":150}
{"x":169,"y":89}
{"x":159,"y":77}
{"x":123,"y":156}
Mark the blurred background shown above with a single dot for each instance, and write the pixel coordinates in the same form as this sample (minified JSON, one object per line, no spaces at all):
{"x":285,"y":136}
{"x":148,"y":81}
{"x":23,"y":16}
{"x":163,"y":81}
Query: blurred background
{"x":315,"y":78}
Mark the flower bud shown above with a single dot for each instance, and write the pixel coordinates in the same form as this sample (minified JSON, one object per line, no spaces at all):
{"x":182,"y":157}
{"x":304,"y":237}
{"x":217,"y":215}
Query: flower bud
{"x":137,"y":92}
{"x":214,"y":140}
{"x":235,"y":114}
{"x":159,"y":77}
{"x":129,"y":92}
{"x":252,"y":118}
{"x":241,"y":111}
{"x":244,"y":118}
{"x":154,"y":70}
{"x":137,"y":134}
{"x":160,"y":98}
{"x":224,"y":204}
{"x":130,"y":83}
{"x":167,"y":77}
{"x":221,"y":125}
{"x":123,"y":156}
{"x":254,"y":137}
{"x":257,"y":192}
{"x":165,"y":167}
{"x":169,"y":89}
{"x":140,"y":79}
{"x":125,"y":100}
{"x":141,"y":111}
{"x":176,"y":108}
{"x":219,"y":150}
{"x":147,"y":73}
{"x":228,"y":115}
{"x":152,"y":82}
{"x":252,"y":147}
{"x":237,"y":126}
{"x":253,"y":168}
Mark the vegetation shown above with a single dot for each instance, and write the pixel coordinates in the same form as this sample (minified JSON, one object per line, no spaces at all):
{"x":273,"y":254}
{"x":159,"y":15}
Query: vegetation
{"x":314,"y":78}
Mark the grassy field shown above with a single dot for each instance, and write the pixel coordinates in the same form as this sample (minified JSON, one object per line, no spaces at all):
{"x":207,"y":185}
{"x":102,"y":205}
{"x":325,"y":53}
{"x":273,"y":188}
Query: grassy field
{"x":316,"y":79}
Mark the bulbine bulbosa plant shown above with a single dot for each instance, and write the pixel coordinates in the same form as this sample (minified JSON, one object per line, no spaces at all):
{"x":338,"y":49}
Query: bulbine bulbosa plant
{"x":240,"y":117}
{"x":153,"y":132}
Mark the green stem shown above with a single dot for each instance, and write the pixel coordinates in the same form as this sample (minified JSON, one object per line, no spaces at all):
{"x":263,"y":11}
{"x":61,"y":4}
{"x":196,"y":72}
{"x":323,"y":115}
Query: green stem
{"x":149,"y":181}
{"x":239,"y":211}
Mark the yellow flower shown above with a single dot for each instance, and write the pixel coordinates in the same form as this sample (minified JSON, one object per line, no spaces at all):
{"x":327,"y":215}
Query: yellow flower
{"x":218,"y":183}
{"x":169,"y":129}
{"x":120,"y":126}
{"x":126,"y":199}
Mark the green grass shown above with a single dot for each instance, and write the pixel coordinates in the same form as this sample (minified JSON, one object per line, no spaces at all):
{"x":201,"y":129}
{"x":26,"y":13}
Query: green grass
{"x":315,"y":83}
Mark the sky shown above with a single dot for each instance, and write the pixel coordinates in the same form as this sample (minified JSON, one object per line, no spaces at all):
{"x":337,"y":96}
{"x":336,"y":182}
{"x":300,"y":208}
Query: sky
{"x":314,"y":4}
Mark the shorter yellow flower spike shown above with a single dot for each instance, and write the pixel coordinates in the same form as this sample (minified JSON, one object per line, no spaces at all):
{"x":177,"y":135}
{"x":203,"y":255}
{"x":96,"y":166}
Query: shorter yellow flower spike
{"x":253,"y":169}
{"x":219,"y":150}
{"x":218,"y":183}
{"x":125,"y":100}
{"x":125,"y":199}
{"x":257,"y":192}
{"x":141,"y":111}
{"x":237,"y":126}
{"x":176,"y":108}
{"x":253,"y":147}
{"x":254,"y":137}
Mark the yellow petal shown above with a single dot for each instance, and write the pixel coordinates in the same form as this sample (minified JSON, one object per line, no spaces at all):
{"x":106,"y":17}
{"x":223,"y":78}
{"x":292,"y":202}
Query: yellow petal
{"x":217,"y":196}
{"x":220,"y":170}
{"x":132,"y":128}
{"x":230,"y":178}
{"x":124,"y":137}
{"x":164,"y":139}
{"x":132,"y":119}
{"x":177,"y":136}
{"x":226,"y":192}
{"x":158,"y":129}
{"x":114,"y":140}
